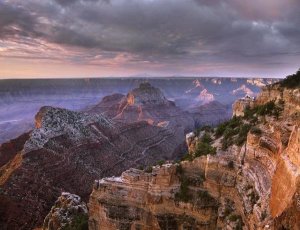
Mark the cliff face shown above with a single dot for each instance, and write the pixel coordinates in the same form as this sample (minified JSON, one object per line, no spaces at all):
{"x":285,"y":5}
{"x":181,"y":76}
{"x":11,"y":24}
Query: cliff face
{"x":285,"y":199}
{"x":139,"y":200}
{"x":250,"y":186}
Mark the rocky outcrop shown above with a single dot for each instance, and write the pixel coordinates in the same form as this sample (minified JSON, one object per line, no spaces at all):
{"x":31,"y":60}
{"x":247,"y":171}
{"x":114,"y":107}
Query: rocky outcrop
{"x":146,"y":201}
{"x":68,"y":149}
{"x":240,"y":105}
{"x":290,"y":98}
{"x":146,"y":94}
{"x":205,"y":96}
{"x":68,"y":211}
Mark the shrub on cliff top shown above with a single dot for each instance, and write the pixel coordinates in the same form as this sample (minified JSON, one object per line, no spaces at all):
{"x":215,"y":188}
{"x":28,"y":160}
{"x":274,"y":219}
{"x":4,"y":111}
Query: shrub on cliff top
{"x":187,"y":157}
{"x":291,"y":81}
{"x":268,"y":109}
{"x":161,"y":162}
{"x":231,"y":124}
{"x":179,"y":169}
{"x":203,"y":195}
{"x":205,"y":128}
{"x":149,"y":169}
{"x":203,"y":149}
{"x":183,"y":194}
{"x":206,"y":138}
{"x":242,"y":135}
{"x":255,"y":130}
{"x":80,"y":222}
{"x":231,"y":165}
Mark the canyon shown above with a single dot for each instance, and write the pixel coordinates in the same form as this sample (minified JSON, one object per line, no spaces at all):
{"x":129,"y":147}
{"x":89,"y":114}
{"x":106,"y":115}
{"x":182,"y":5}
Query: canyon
{"x":252,"y":184}
{"x":120,"y":164}
{"x":21,"y":99}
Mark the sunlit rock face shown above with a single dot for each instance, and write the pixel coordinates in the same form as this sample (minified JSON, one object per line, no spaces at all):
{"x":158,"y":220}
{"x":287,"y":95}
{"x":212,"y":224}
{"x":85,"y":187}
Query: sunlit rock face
{"x":205,"y":96}
{"x":253,"y":186}
{"x":240,"y":105}
{"x":145,"y":201}
{"x":285,"y":197}
{"x":67,"y":151}
{"x":146,"y":94}
{"x":149,"y":103}
{"x":291,"y":98}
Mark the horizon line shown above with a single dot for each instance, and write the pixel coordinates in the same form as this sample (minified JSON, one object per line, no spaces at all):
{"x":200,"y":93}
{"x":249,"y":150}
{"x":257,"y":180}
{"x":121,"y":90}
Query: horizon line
{"x":135,"y":77}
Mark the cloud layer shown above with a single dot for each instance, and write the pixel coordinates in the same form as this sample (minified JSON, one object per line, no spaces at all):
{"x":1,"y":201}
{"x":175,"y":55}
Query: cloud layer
{"x":156,"y":36}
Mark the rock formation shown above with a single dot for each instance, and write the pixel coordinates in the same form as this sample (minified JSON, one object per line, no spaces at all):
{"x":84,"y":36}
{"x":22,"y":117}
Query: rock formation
{"x":205,"y":96}
{"x":67,"y":151}
{"x":249,"y":184}
{"x":68,"y":211}
{"x":240,"y":105}
{"x":145,"y":103}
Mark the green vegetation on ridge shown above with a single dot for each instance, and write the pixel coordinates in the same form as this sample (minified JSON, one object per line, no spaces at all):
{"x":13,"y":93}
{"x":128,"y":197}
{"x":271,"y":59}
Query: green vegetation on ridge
{"x":235,"y":130}
{"x":80,"y":222}
{"x":291,"y":81}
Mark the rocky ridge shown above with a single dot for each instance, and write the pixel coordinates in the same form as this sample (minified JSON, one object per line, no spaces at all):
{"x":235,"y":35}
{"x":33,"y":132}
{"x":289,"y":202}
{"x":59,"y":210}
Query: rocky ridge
{"x":70,"y":148}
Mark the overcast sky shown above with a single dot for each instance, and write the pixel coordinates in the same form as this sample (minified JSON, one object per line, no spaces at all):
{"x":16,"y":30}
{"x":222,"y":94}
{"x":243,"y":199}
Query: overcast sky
{"x":89,"y":38}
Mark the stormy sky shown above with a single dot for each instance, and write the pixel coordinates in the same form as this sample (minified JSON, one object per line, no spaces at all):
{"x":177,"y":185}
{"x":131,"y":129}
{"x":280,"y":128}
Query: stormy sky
{"x":90,"y":38}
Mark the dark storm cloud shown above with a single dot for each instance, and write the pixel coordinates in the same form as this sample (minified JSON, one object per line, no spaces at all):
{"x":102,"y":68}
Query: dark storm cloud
{"x":191,"y":31}
{"x":69,"y":2}
{"x":15,"y":20}
{"x":66,"y":2}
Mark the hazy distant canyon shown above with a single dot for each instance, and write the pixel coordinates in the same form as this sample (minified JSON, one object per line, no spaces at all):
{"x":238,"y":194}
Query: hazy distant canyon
{"x":20,"y":100}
